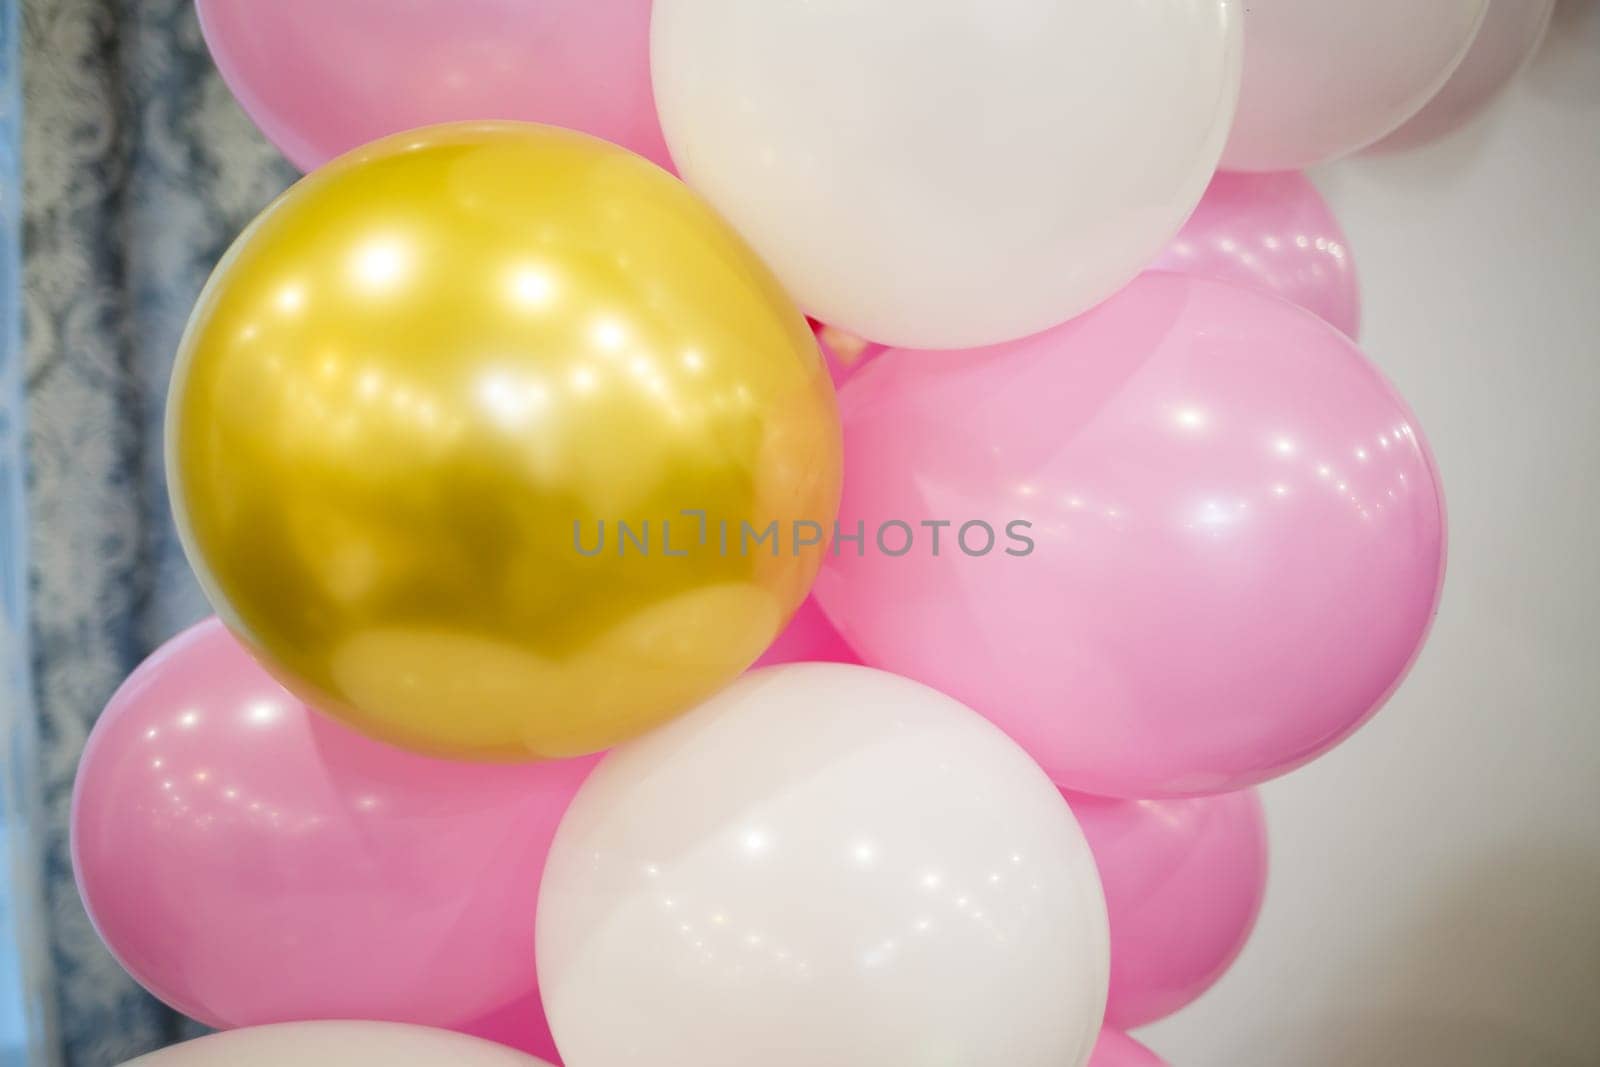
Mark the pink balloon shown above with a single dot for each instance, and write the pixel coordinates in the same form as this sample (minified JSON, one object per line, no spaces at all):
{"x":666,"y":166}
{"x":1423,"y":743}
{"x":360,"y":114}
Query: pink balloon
{"x":809,"y":638}
{"x":249,"y":861}
{"x":323,"y":76}
{"x":520,"y":1025}
{"x":1237,"y":536}
{"x":1184,"y":881}
{"x":1119,"y":1050}
{"x":1271,"y":232}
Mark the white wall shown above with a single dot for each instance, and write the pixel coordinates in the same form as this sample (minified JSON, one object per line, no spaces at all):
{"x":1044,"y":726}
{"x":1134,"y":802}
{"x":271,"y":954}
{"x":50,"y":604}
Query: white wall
{"x":1436,"y":887}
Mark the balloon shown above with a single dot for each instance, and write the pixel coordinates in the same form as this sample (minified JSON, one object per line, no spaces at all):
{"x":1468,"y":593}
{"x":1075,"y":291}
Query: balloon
{"x":843,"y":352}
{"x":823,"y":864}
{"x":1184,"y":881}
{"x":1119,"y":1050}
{"x":250,"y":861}
{"x":1215,"y":537}
{"x":1324,"y":79}
{"x":810,"y":638}
{"x":956,"y":172}
{"x":1511,"y":34}
{"x":520,"y":1024}
{"x":1271,"y":232}
{"x":460,"y":426}
{"x":320,"y":78}
{"x":348,"y":1044}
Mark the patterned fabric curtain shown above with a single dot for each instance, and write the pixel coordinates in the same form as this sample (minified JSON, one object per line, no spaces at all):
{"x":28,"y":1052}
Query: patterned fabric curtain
{"x":26,"y":1033}
{"x":138,"y":171}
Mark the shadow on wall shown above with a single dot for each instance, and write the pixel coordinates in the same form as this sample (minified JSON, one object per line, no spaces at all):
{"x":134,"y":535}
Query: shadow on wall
{"x":1512,"y":942}
{"x":1564,"y":46}
{"x":1570,"y":11}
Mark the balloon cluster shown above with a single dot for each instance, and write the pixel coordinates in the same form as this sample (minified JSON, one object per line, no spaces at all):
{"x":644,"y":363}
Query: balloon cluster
{"x":497,"y":446}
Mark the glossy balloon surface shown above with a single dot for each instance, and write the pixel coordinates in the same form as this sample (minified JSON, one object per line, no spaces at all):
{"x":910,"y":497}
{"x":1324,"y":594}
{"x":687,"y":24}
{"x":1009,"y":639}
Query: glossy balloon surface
{"x":250,"y":861}
{"x":1237,"y":531}
{"x":1323,"y":80}
{"x":822,"y":865}
{"x":1271,"y":232}
{"x":1184,"y":881}
{"x":953,"y":172}
{"x":347,"y":1044}
{"x":1510,"y":35}
{"x":321,"y":78}
{"x":424,"y":391}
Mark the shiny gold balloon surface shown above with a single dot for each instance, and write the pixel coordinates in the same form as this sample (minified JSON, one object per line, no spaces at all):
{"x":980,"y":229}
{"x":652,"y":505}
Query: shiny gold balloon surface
{"x":433,"y":377}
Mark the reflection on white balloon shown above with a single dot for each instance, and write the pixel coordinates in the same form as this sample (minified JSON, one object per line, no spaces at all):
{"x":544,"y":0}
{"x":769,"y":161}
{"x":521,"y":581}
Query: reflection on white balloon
{"x":1324,"y":78}
{"x":950,"y":172}
{"x":825,"y":864}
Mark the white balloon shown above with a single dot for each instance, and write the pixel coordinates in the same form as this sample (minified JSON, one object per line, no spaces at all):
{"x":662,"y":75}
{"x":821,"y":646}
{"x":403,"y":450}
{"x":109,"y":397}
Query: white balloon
{"x":347,"y":1044}
{"x":949,"y":173}
{"x":824,"y":864}
{"x":1510,"y":35}
{"x":1324,"y":78}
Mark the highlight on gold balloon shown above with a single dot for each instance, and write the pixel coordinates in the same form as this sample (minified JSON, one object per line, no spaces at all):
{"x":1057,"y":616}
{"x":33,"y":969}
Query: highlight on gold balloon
{"x":496,"y":442}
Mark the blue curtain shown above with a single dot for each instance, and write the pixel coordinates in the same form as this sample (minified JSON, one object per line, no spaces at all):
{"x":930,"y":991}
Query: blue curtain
{"x":138,"y":171}
{"x":25,"y":1031}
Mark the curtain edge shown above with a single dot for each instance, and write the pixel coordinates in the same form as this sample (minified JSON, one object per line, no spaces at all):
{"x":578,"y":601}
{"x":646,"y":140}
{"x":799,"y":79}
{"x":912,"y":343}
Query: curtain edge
{"x":20,"y":800}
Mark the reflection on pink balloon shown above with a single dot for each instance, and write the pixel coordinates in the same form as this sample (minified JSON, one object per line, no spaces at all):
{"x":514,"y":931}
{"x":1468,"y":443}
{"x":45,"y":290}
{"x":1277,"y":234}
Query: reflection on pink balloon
{"x":1236,"y":531}
{"x":1271,"y":232}
{"x":1184,"y":880}
{"x":809,"y":638}
{"x":1116,"y":1049}
{"x":323,"y":76}
{"x":1510,"y":35}
{"x":249,"y":861}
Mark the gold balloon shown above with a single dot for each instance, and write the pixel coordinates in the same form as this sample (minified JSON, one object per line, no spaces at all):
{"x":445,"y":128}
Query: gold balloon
{"x":424,"y":383}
